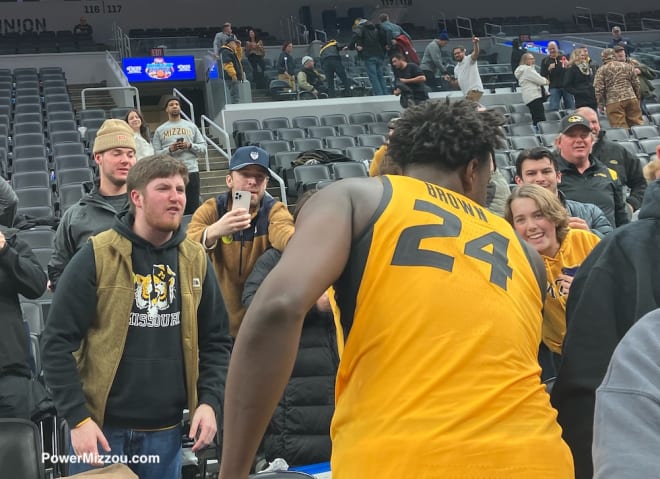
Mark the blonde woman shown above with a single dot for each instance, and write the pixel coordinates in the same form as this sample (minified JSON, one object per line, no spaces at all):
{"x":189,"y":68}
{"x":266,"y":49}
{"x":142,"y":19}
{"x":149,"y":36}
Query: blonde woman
{"x":532,"y":85}
{"x":542,"y":221}
{"x":579,"y":79}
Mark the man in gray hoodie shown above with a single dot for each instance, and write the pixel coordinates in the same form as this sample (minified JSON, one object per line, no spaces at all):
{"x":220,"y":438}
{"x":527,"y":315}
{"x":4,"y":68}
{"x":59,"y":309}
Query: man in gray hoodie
{"x":181,"y":139}
{"x":114,"y":153}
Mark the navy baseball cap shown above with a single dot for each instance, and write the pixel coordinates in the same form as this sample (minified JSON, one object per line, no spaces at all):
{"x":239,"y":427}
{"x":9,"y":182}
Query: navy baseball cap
{"x":249,"y":155}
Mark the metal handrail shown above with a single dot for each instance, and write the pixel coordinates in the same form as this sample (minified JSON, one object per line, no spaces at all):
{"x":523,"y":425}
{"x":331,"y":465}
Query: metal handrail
{"x":441,"y":19}
{"x":586,"y":41}
{"x":318,"y":32}
{"x":204,"y":120}
{"x":650,"y":20}
{"x":305,"y":33}
{"x":467,"y":25}
{"x":177,"y":93}
{"x":586,"y":15}
{"x":489,"y":33}
{"x":614,"y":19}
{"x":136,"y":93}
{"x":280,"y":181}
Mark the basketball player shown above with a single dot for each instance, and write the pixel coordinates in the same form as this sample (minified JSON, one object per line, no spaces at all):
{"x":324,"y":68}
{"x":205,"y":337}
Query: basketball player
{"x":440,"y":313}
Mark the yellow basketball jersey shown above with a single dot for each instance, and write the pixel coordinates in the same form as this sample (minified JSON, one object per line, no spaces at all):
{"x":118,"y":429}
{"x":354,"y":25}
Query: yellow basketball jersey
{"x":441,"y":318}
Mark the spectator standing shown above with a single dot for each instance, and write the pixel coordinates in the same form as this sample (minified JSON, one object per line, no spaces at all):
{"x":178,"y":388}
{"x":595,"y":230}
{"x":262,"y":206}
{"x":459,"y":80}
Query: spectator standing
{"x":232,"y":68}
{"x":332,"y":65}
{"x":222,"y":37}
{"x":643,"y":72}
{"x":370,"y":41}
{"x":311,"y":80}
{"x":434,"y":60}
{"x":618,"y":39}
{"x":617,"y":91}
{"x":143,"y":147}
{"x":517,"y":51}
{"x":553,"y":67}
{"x":145,"y":305}
{"x":286,"y":65}
{"x":532,"y":86}
{"x":114,"y":153}
{"x":235,"y":238}
{"x":409,"y":81}
{"x":615,"y":286}
{"x":20,"y":274}
{"x":579,"y":79}
{"x":466,"y":71}
{"x":182,"y":139}
{"x":254,"y":48}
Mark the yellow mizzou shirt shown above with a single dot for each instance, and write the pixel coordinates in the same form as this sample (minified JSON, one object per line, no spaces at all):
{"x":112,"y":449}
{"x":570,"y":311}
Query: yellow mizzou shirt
{"x":441,"y":318}
{"x":572,"y":252}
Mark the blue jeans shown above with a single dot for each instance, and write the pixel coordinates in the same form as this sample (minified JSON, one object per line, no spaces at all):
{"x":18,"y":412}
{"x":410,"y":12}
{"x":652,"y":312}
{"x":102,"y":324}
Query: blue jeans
{"x":374,"y":66}
{"x":556,"y":94}
{"x":126,"y":444}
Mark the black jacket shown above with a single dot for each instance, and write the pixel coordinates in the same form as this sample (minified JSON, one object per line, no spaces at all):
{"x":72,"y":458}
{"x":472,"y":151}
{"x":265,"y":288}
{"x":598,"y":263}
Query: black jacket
{"x":615,"y":286}
{"x":20,"y":273}
{"x":371,"y":38}
{"x":581,"y":86}
{"x":626,"y":165}
{"x":299,"y":430}
{"x":598,"y":185}
{"x":556,"y":75}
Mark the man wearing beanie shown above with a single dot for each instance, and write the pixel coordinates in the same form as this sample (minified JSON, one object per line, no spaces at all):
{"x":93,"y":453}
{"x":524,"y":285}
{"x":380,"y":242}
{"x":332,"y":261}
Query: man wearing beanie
{"x":235,"y":238}
{"x":617,"y":91}
{"x":311,"y":80}
{"x":114,"y":154}
{"x":434,"y":60}
{"x":181,"y":139}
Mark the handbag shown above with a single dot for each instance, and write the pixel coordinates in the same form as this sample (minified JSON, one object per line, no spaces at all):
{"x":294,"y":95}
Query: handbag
{"x":544,"y":94}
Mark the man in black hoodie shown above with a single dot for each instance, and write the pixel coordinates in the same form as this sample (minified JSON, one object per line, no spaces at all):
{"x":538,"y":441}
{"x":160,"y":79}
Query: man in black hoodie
{"x":615,"y":286}
{"x":141,"y":305}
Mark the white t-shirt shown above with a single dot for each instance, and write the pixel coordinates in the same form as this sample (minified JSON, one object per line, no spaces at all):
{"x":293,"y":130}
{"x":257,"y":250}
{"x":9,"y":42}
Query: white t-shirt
{"x":467,"y":74}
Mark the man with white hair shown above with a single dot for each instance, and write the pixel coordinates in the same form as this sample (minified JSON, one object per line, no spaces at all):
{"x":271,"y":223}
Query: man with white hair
{"x":553,"y":67}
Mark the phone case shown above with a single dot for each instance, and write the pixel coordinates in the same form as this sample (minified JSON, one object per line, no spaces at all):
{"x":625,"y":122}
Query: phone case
{"x":241,"y":199}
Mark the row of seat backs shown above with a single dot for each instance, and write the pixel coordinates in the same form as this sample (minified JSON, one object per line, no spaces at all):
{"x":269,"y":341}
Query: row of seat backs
{"x":307,"y":121}
{"x":299,"y":141}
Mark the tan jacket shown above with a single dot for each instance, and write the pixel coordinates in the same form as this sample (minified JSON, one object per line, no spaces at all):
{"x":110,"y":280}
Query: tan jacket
{"x":100,"y":353}
{"x":234,"y":257}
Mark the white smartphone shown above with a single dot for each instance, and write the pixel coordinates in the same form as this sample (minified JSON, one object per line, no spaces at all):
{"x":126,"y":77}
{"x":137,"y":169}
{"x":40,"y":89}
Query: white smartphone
{"x":241,"y":199}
